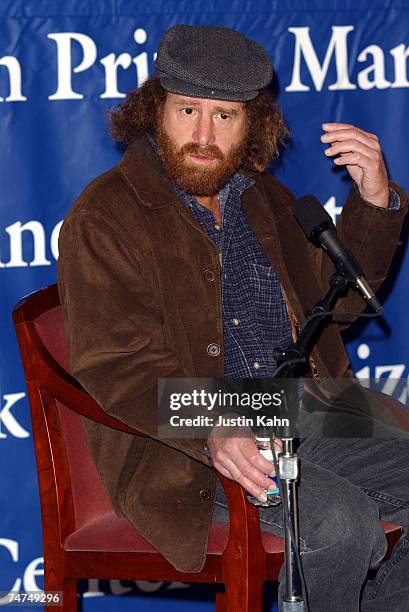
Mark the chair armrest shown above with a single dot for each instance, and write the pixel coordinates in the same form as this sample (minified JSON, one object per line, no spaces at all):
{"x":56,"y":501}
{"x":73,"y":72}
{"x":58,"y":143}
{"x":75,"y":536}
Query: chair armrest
{"x":43,"y":370}
{"x":244,"y":517}
{"x":68,"y":391}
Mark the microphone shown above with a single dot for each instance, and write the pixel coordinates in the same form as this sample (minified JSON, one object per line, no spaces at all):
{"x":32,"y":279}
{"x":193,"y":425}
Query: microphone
{"x":319,"y":228}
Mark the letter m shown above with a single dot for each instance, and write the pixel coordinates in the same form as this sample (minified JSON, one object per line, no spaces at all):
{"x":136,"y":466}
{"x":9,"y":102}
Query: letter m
{"x":304,"y":47}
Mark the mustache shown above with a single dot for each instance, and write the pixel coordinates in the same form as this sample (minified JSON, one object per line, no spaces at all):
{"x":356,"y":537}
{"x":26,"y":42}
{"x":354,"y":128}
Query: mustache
{"x":193,"y":148}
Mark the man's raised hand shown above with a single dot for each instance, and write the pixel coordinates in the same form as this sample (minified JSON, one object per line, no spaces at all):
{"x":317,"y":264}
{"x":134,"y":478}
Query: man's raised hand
{"x":361,"y":153}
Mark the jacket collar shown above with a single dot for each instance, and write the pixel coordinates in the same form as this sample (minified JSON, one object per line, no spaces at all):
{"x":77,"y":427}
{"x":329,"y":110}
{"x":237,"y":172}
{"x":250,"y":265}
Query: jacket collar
{"x":143,"y":169}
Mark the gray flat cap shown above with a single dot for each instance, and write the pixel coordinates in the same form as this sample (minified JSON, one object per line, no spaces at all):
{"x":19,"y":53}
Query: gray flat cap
{"x":212,"y":62}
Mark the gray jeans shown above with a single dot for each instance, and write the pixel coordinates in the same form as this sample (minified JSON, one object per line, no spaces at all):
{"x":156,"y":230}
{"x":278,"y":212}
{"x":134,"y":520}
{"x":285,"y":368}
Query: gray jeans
{"x":346,"y":486}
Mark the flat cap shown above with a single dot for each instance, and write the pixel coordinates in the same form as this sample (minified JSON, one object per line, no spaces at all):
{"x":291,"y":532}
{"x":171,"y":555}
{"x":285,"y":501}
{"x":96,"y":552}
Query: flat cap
{"x":212,"y":62}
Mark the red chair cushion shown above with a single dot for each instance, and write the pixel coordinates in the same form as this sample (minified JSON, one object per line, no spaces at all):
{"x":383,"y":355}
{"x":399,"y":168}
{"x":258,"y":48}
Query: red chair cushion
{"x":111,"y":533}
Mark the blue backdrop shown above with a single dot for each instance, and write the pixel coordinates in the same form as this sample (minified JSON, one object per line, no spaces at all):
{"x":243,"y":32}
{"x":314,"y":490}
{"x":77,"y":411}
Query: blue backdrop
{"x":62,"y":64}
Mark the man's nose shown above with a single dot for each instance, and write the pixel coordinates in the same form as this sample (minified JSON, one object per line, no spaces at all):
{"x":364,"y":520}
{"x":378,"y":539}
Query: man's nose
{"x":204,"y":131}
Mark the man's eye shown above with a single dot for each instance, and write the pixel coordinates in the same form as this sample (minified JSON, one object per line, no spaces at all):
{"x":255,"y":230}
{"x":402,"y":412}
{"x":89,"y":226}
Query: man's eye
{"x":224,"y":116}
{"x":188,"y":111}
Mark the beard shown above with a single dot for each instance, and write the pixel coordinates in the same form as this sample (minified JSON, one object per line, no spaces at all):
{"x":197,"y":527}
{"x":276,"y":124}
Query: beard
{"x":194,"y":179}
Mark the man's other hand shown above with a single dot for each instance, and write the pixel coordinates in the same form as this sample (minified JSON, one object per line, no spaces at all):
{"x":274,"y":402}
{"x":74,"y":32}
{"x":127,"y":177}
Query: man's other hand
{"x":239,"y":459}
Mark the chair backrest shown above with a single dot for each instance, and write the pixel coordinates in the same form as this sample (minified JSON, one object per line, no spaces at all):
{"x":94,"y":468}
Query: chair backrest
{"x":40,"y":330}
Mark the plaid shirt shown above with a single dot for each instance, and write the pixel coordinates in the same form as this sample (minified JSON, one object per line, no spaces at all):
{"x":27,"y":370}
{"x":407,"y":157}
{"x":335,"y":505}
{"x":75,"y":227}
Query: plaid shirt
{"x":255,"y":318}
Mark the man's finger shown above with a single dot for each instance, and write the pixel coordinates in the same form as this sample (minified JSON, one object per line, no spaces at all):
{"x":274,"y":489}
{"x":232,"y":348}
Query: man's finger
{"x":352,"y":146}
{"x":241,"y":468}
{"x":356,"y":135}
{"x":255,"y":489}
{"x":244,"y":464}
{"x":249,"y":485}
{"x":241,"y":451}
{"x":354,"y":159}
{"x":259,"y":462}
{"x":330,"y":127}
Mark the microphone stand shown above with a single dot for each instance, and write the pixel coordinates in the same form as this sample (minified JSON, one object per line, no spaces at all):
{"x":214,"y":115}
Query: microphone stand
{"x":292,"y":362}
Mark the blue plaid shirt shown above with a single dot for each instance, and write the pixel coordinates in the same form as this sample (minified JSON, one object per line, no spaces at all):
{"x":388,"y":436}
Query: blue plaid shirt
{"x":255,"y":318}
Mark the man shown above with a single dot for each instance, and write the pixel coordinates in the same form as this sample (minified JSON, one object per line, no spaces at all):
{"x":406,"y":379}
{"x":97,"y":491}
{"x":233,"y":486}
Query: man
{"x":185,"y":260}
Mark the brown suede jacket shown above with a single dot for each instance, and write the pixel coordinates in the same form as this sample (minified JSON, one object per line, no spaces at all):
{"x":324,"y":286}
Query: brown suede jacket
{"x":138,"y":305}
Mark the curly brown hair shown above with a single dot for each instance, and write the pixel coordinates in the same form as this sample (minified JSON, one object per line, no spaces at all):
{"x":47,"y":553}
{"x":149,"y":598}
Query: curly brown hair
{"x":266,"y":128}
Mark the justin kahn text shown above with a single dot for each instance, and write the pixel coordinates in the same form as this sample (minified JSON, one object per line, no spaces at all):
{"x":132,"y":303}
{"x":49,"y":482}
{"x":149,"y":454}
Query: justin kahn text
{"x":228,"y":421}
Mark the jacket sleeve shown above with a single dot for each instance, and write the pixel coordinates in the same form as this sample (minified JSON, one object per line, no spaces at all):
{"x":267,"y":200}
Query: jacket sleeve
{"x":113,"y":325}
{"x":372,"y":234}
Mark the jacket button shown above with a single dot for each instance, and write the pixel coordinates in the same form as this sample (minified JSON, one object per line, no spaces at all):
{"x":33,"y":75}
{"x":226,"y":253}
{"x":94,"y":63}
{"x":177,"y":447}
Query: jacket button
{"x":209,"y":275}
{"x":205,"y":494}
{"x":213,"y":350}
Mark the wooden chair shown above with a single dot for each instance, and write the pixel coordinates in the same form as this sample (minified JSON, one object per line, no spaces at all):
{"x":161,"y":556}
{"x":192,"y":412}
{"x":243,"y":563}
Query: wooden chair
{"x":82,"y":536}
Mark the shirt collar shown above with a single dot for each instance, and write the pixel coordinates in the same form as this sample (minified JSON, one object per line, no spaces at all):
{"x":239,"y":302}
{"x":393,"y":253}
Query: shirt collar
{"x":237,"y":183}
